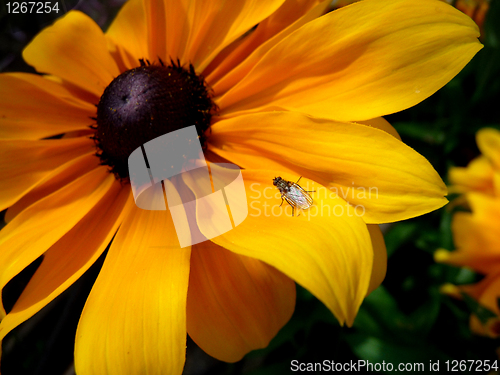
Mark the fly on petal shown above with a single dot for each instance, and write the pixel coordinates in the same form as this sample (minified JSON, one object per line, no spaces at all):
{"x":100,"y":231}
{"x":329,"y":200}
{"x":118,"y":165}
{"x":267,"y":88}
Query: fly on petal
{"x":293,"y":193}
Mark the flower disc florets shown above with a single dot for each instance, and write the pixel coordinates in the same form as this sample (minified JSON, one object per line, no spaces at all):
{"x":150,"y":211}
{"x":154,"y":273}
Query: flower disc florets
{"x":144,"y":103}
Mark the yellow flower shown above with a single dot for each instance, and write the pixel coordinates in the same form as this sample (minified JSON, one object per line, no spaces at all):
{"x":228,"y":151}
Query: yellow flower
{"x":476,"y":234}
{"x":299,"y":95}
{"x":486,"y":294}
{"x":482,"y":175}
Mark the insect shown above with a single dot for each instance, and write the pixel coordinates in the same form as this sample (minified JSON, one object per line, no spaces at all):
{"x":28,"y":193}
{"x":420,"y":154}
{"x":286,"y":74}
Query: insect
{"x":293,"y":194}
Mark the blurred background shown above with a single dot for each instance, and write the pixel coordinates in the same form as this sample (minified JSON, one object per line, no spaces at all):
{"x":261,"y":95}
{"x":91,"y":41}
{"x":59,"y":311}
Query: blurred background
{"x":406,"y":320}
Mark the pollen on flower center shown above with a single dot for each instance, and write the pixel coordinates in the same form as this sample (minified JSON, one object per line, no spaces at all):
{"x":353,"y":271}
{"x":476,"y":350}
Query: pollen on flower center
{"x":144,"y":103}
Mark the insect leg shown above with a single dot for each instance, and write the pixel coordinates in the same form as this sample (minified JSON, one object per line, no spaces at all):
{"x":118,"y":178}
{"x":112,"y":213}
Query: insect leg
{"x":307,"y":191}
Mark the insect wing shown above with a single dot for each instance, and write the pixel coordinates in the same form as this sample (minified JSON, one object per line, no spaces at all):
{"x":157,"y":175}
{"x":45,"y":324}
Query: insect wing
{"x":299,"y":197}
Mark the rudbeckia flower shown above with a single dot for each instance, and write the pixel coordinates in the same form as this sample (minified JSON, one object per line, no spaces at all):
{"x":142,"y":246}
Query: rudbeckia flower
{"x":485,"y":293}
{"x":482,"y":175}
{"x":475,"y":233}
{"x":274,"y":87}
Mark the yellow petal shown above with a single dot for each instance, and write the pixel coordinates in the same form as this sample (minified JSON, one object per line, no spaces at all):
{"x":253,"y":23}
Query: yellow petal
{"x":134,"y":321}
{"x":34,"y":107}
{"x":158,"y":29}
{"x":230,"y":68}
{"x":363,"y":61}
{"x":197,"y":30}
{"x":64,"y":175}
{"x":476,"y":177}
{"x":365,"y":166}
{"x":128,"y":32}
{"x":75,"y":49}
{"x":235,"y":303}
{"x":217,"y":23}
{"x":69,"y":257}
{"x":27,"y":163}
{"x":42,"y":224}
{"x":496,"y":183}
{"x":382,"y":124}
{"x":326,"y":249}
{"x":379,"y":257}
{"x":476,"y":236}
{"x":488,"y":141}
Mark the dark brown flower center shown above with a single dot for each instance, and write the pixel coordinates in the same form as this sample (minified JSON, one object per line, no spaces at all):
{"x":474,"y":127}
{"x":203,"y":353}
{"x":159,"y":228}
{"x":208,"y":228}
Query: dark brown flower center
{"x":144,"y":103}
